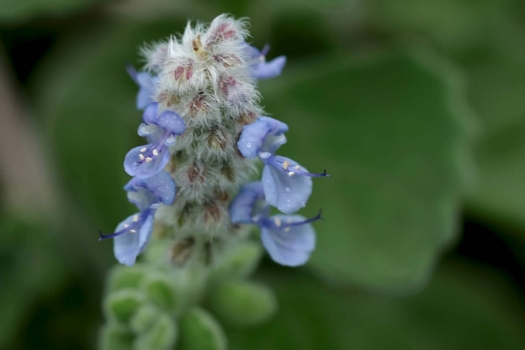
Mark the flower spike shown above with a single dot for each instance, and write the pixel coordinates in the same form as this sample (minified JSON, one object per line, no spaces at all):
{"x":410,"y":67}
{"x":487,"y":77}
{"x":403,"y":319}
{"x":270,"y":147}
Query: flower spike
{"x":204,"y":135}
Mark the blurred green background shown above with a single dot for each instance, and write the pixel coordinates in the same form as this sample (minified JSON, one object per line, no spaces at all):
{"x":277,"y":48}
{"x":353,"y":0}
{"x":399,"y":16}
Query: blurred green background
{"x":416,"y":107}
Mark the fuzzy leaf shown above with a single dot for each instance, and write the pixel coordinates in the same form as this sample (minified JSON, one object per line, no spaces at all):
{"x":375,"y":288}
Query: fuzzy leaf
{"x":143,"y":319}
{"x":121,"y":305}
{"x":161,"y":336}
{"x":239,"y":261}
{"x":162,"y":291}
{"x":200,"y":331}
{"x":243,"y":303}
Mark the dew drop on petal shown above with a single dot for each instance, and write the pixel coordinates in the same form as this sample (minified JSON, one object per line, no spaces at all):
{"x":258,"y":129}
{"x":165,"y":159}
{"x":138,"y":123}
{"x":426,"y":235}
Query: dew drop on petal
{"x":249,"y":145}
{"x":287,"y":189}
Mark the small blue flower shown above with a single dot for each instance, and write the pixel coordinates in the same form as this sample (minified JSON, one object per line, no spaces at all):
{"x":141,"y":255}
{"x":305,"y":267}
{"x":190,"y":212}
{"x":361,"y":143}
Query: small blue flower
{"x":289,"y":239}
{"x":132,"y":235}
{"x":262,"y":69}
{"x":287,"y":185}
{"x":146,"y":85}
{"x":160,"y":131}
{"x":144,"y":193}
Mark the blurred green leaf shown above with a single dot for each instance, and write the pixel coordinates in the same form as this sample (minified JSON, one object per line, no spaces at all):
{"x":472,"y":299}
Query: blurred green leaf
{"x":16,"y":10}
{"x":237,"y":262}
{"x":243,"y":303}
{"x":464,"y":307}
{"x":394,"y":134}
{"x":199,"y":330}
{"x":163,"y":291}
{"x":161,"y":336}
{"x":497,"y":90}
{"x":143,"y":319}
{"x":486,"y":40}
{"x":121,"y":305}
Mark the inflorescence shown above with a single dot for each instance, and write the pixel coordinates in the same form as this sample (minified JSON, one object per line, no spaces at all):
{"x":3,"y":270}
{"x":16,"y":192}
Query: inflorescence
{"x":205,"y":135}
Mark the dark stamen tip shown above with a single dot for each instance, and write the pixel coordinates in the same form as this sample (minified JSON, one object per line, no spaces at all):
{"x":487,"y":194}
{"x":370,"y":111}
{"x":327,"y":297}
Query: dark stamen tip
{"x":325,"y":174}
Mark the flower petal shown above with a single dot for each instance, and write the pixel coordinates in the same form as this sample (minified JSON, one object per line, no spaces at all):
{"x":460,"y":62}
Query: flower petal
{"x":167,"y":120}
{"x":242,"y":207}
{"x":142,"y":198}
{"x":286,"y":192}
{"x":152,"y":132}
{"x":265,"y":135}
{"x":162,"y":186}
{"x":142,"y":163}
{"x":290,"y":246}
{"x":146,"y":85}
{"x":252,"y":52}
{"x":150,"y":113}
{"x":146,"y":192}
{"x":271,"y":69}
{"x":128,"y":246}
{"x":171,"y":122}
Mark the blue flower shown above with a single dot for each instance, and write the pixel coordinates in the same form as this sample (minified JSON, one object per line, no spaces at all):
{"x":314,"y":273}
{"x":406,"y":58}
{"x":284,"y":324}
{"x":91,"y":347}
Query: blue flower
{"x":160,"y":131}
{"x":262,"y":69}
{"x":148,"y":192}
{"x":289,"y":239}
{"x":287,"y":185}
{"x":132,"y":235}
{"x":146,"y":85}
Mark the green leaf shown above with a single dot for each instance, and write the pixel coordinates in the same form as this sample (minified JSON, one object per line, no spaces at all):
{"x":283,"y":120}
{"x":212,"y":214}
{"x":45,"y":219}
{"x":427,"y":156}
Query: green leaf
{"x":161,"y":336}
{"x":497,"y":90}
{"x":394,"y":134}
{"x":243,"y":303}
{"x":123,"y":304}
{"x":486,"y":39}
{"x":200,"y":331}
{"x":464,"y":307}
